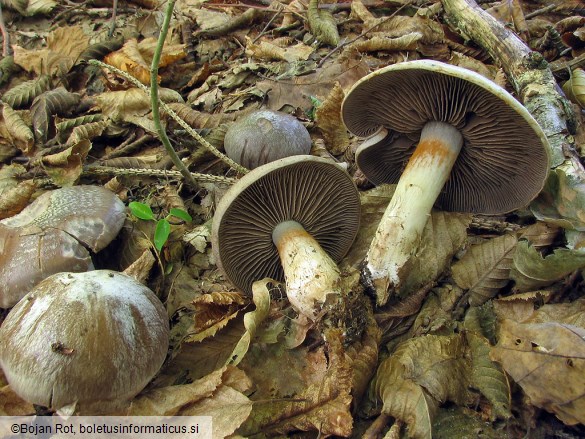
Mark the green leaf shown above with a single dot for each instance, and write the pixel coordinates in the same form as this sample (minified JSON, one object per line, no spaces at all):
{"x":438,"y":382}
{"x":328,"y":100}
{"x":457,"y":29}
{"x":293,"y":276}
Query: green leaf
{"x":161,"y":233}
{"x":141,"y":210}
{"x":181,"y":214}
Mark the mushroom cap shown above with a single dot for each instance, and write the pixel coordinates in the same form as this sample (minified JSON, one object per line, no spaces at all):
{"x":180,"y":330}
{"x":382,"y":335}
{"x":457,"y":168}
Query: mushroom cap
{"x":95,"y":338}
{"x":264,"y":136}
{"x":312,"y":191}
{"x":51,"y":235}
{"x":505,"y":156}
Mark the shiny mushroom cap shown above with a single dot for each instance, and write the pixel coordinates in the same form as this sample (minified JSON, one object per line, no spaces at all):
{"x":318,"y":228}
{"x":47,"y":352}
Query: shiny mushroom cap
{"x":504,"y":160}
{"x":264,"y":136}
{"x":317,"y":194}
{"x":53,"y":234}
{"x":95,"y":338}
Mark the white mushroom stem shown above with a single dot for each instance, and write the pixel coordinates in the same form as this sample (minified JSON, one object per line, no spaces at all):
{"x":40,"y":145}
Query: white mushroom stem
{"x":310,"y":273}
{"x":400,"y":230}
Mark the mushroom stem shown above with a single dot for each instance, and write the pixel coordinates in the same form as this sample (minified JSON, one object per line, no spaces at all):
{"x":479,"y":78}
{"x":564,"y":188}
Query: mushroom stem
{"x":401,"y":227}
{"x":310,"y":273}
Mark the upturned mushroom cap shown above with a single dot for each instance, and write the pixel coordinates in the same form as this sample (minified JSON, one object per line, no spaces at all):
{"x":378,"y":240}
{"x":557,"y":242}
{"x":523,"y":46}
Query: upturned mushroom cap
{"x":51,"y":235}
{"x":310,"y":190}
{"x":94,"y":338}
{"x":264,"y":136}
{"x":504,"y":160}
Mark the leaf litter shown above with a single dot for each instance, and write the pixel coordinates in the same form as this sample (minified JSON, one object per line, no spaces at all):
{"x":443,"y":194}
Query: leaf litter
{"x":488,"y":329}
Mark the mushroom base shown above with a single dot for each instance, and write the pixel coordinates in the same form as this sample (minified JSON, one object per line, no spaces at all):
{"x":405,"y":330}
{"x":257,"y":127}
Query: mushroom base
{"x":311,"y":275}
{"x":400,"y":230}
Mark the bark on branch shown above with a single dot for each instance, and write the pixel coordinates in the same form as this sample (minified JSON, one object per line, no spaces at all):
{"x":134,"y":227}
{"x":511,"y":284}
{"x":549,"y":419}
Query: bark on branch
{"x":532,"y":80}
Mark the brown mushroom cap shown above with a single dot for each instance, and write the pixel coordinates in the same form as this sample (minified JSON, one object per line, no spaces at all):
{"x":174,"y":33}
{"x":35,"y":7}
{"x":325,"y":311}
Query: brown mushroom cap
{"x":94,"y":338}
{"x":51,"y":235}
{"x":504,"y":160}
{"x":264,"y":136}
{"x":310,"y":190}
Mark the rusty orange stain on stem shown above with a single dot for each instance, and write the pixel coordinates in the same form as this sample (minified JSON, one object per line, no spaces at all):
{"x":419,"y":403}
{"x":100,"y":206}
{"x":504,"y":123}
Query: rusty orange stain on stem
{"x":435,"y":149}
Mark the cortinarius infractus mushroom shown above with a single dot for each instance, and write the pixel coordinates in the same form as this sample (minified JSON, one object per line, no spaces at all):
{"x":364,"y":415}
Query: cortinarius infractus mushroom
{"x":292,"y":220}
{"x":449,"y":137}
{"x":95,"y":339}
{"x":51,"y":235}
{"x":264,"y":136}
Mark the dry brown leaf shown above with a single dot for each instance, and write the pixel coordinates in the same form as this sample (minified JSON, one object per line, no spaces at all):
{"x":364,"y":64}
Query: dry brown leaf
{"x":15,"y":130}
{"x":13,"y":405}
{"x":130,"y":60}
{"x":540,"y":234}
{"x":14,"y":199}
{"x":548,"y":361}
{"x":171,"y":53}
{"x":328,"y":118}
{"x":66,"y":167}
{"x":64,"y":45}
{"x":54,"y":102}
{"x":485,"y":269}
{"x":268,"y":51}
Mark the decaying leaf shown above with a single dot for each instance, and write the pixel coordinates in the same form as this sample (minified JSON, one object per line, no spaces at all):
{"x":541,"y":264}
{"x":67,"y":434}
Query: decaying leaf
{"x":14,"y":199}
{"x":460,"y":423}
{"x":328,"y":118}
{"x":574,"y":88}
{"x":53,"y":102}
{"x":199,"y":119}
{"x":531,"y":270}
{"x":488,"y":377}
{"x":267,"y":51}
{"x":321,"y":406}
{"x":64,"y":45}
{"x":15,"y":131}
{"x":13,"y":405}
{"x":87,"y":131}
{"x":548,"y":361}
{"x":65,"y":167}
{"x":130,"y":60}
{"x":23,"y":94}
{"x":422,"y":373}
{"x":322,"y":24}
{"x":65,"y":126}
{"x":381,"y":42}
{"x":485,"y":269}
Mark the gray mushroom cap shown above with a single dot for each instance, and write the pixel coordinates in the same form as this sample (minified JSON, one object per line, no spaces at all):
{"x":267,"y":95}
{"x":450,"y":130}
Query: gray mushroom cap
{"x":264,"y":136}
{"x":505,"y":156}
{"x":310,"y":190}
{"x":54,"y":234}
{"x":93,"y":338}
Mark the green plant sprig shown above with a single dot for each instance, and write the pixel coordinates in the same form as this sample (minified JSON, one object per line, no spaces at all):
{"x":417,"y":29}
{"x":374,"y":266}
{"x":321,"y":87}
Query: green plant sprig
{"x":163,"y":226}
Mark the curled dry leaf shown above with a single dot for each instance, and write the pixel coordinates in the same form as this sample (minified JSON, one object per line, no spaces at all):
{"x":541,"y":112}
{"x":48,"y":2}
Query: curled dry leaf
{"x":15,"y":130}
{"x":87,"y":132}
{"x":267,"y":51}
{"x":130,"y":60}
{"x":322,"y":24}
{"x":23,"y":94}
{"x":65,"y":167}
{"x":548,"y":361}
{"x":328,"y":118}
{"x":198,"y":119}
{"x":14,"y":199}
{"x":574,"y":88}
{"x":54,"y":102}
{"x":485,"y":269}
{"x":531,"y":270}
{"x":252,"y":319}
{"x":381,"y":42}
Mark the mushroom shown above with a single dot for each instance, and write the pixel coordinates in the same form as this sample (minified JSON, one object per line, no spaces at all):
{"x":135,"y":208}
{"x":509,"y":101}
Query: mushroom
{"x":292,"y":220}
{"x":461,"y":142}
{"x":51,"y":235}
{"x":264,"y":136}
{"x":94,"y":338}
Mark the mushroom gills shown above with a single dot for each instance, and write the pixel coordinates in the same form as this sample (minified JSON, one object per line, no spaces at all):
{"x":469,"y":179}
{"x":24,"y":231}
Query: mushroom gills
{"x":311,"y":275}
{"x":400,"y":230}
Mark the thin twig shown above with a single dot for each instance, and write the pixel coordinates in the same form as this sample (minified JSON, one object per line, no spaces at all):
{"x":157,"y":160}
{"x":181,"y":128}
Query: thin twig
{"x":540,"y":11}
{"x":156,"y":173}
{"x":267,"y":25}
{"x":6,"y":50}
{"x":240,"y":169}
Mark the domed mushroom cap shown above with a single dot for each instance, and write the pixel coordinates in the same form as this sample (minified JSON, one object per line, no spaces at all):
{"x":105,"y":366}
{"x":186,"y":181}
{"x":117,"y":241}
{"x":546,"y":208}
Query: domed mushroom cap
{"x":310,"y":190}
{"x":264,"y":136}
{"x":51,"y":235}
{"x":94,"y":338}
{"x":504,"y":159}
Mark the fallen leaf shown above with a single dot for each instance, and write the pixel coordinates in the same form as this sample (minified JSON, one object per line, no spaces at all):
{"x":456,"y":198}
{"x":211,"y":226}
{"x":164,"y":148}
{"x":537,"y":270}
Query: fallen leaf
{"x":548,"y":361}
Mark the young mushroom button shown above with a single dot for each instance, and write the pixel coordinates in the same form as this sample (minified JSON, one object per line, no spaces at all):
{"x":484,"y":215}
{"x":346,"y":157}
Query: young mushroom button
{"x":450,"y":138}
{"x":264,"y":136}
{"x":293,"y":220}
{"x":93,"y":339}
{"x":52,"y":234}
